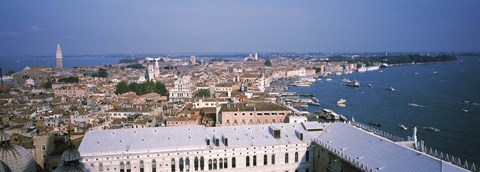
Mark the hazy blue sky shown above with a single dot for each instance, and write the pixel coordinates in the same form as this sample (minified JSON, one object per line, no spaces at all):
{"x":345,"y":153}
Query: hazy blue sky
{"x":153,"y":26}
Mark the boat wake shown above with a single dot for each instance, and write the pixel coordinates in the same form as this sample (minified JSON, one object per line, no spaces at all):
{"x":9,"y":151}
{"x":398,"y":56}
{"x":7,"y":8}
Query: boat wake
{"x":431,"y":129}
{"x":416,"y":105}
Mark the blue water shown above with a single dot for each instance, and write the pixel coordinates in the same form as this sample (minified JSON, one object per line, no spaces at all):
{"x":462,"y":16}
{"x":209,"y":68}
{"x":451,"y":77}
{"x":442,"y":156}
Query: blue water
{"x":17,"y":63}
{"x":438,"y":96}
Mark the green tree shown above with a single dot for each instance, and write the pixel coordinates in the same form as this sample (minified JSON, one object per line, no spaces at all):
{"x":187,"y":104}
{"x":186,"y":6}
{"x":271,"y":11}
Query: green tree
{"x":268,"y":63}
{"x":148,"y":87}
{"x":70,"y":79}
{"x":48,"y":84}
{"x":161,"y":89}
{"x":135,"y":87}
{"x":10,"y":72}
{"x":121,"y":88}
{"x":203,"y":93}
{"x":102,"y":73}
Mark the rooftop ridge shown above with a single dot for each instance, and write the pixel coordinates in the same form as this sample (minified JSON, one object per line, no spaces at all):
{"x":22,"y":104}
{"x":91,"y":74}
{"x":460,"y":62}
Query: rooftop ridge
{"x":419,"y":147}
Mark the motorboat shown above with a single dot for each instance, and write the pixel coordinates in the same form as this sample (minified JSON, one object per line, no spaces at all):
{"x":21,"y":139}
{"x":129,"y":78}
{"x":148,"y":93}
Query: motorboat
{"x":341,"y":101}
{"x":465,"y":111}
{"x":391,"y":88}
{"x":403,"y":127}
{"x":370,"y":85}
{"x":354,"y":84}
{"x":345,"y":80}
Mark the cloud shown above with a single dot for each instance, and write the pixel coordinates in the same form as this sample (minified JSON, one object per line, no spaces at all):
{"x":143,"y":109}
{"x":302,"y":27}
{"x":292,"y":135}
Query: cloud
{"x":9,"y":34}
{"x":35,"y":29}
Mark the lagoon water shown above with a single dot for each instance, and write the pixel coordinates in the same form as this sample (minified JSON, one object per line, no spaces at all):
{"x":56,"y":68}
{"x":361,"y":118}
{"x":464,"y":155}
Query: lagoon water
{"x":427,"y":95}
{"x":17,"y":63}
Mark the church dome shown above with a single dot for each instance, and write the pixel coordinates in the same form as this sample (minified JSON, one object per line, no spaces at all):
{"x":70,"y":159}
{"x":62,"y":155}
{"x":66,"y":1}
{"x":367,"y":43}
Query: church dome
{"x":71,"y":154}
{"x":14,"y":157}
{"x":71,"y":161}
{"x":4,"y":167}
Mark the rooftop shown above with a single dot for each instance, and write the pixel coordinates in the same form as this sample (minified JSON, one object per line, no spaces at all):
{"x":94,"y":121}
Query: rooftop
{"x":164,"y":139}
{"x":379,"y":153}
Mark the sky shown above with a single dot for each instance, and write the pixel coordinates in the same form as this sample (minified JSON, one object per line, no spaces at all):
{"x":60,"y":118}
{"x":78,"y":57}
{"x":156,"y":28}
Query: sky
{"x":30,"y":27}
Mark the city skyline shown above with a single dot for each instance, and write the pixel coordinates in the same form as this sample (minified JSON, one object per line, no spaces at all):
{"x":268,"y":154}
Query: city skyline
{"x":107,"y":27}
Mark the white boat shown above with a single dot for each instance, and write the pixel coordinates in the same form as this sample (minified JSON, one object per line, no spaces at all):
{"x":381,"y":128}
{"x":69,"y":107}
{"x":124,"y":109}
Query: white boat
{"x":354,"y":84}
{"x":345,"y":80}
{"x":362,"y":69}
{"x":341,"y":101}
{"x":391,"y":89}
{"x":403,"y":127}
{"x":372,"y":68}
{"x":369,"y":85}
{"x":465,"y":111}
{"x":302,"y":85}
{"x":328,"y":79}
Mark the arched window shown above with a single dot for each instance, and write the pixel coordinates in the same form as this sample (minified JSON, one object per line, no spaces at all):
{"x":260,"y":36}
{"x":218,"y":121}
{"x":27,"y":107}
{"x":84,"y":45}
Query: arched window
{"x":214,"y":164}
{"x":234,"y":163}
{"x":286,"y":158}
{"x":129,"y":167}
{"x":195,"y":163}
{"x":247,"y":161}
{"x":187,"y":164}
{"x":154,"y":166}
{"x":265,"y":159}
{"x":273,"y":159}
{"x":100,"y":167}
{"x":142,"y":167}
{"x":122,"y":167}
{"x":172,"y":164}
{"x":180,"y":164}
{"x":202,"y":163}
{"x":43,"y":148}
{"x":220,"y":163}
{"x":209,"y":164}
{"x":254,"y":160}
{"x":307,"y":155}
{"x":225,"y":163}
{"x":296,"y":156}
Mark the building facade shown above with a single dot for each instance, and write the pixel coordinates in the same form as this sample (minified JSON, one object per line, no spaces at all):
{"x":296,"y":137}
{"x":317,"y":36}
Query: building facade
{"x":279,"y":147}
{"x":182,"y":90}
{"x":253,"y":113}
{"x":71,"y":91}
